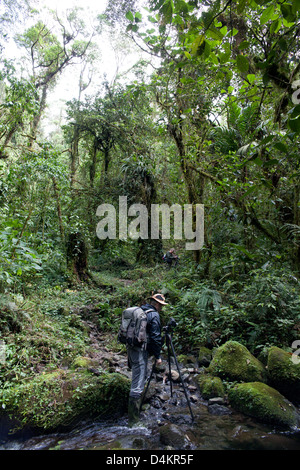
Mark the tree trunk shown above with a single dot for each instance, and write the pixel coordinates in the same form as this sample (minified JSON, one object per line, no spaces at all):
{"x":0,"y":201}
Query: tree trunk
{"x":93,"y":164}
{"x":37,"y":118}
{"x":11,"y":132}
{"x":56,"y":194}
{"x":77,"y":257}
{"x":74,"y":155}
{"x":193,"y":196}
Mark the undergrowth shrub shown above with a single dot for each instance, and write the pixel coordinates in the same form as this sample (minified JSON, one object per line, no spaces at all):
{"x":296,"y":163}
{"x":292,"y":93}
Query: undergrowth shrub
{"x":262,"y":310}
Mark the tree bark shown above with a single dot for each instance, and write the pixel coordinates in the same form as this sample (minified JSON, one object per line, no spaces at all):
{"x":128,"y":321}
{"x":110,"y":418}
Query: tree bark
{"x":56,"y":194}
{"x":77,"y":257}
{"x":36,"y":121}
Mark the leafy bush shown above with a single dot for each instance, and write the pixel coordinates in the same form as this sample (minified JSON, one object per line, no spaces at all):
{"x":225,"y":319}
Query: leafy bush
{"x":271,"y":305}
{"x":17,"y":259}
{"x":261,"y":310}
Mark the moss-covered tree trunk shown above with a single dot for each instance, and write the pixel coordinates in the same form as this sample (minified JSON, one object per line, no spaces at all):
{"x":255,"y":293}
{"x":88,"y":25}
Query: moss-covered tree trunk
{"x":77,"y":257}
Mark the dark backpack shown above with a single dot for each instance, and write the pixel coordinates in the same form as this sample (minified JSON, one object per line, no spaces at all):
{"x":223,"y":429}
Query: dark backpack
{"x":133,"y":327}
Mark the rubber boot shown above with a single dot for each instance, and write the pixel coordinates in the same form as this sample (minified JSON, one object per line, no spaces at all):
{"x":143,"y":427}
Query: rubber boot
{"x":133,"y":411}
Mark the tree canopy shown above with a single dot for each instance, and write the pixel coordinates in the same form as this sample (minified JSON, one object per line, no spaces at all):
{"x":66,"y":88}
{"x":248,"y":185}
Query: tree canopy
{"x":209,"y":114}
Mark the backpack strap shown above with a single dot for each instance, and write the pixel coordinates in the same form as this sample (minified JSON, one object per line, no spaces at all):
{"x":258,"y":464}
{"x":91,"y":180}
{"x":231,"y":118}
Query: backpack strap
{"x":149,"y":310}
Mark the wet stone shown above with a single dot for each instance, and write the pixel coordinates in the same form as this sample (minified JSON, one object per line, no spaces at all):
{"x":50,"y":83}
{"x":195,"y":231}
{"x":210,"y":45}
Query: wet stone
{"x":156,"y":403}
{"x":172,"y":435}
{"x":194,"y":398}
{"x":219,"y":410}
{"x":216,"y":401}
{"x":164,"y":397}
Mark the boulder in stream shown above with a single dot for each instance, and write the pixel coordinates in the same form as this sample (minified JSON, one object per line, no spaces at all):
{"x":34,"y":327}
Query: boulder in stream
{"x":264,"y":403}
{"x":61,"y":398}
{"x":172,"y":436}
{"x":232,"y":361}
{"x":284,"y":374}
{"x":210,"y":387}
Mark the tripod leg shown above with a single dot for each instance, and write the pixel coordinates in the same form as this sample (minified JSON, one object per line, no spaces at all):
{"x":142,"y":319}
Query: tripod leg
{"x":148,"y":383}
{"x":184,"y":388}
{"x":169,"y":362}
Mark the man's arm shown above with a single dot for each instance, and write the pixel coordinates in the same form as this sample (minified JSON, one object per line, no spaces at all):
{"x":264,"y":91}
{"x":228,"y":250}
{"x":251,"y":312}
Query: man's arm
{"x":155,"y":337}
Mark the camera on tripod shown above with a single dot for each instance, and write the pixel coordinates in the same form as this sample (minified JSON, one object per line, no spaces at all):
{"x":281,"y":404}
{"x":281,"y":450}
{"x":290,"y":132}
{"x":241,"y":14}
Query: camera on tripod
{"x":168,"y":339}
{"x":171,"y":324}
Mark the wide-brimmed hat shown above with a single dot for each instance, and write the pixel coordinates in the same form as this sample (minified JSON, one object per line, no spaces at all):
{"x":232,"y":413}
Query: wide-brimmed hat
{"x":159,"y":298}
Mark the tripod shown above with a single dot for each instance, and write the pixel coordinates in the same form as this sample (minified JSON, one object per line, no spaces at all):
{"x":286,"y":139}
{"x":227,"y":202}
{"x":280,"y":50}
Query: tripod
{"x":170,"y":347}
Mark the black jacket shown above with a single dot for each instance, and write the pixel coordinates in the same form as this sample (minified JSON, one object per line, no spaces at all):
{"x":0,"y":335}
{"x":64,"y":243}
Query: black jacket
{"x":154,"y":342}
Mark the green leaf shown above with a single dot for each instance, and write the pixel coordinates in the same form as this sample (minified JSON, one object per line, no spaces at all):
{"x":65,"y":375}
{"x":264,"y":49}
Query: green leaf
{"x":129,"y":16}
{"x":251,"y":78}
{"x":267,"y":15}
{"x":138,"y":17}
{"x":223,"y":30}
{"x":197,"y":43}
{"x":283,"y":44}
{"x":296,"y":6}
{"x":242,"y":63}
{"x":182,"y":7}
{"x":207,"y":49}
{"x":167,"y":10}
{"x":294,"y":125}
{"x":275,"y":26}
{"x":281,"y":147}
{"x":242,"y":249}
{"x":214,"y":58}
{"x":244,"y":45}
{"x":152,"y":20}
{"x":241,"y":6}
{"x":295,"y":112}
{"x":287,"y":13}
{"x":270,"y":163}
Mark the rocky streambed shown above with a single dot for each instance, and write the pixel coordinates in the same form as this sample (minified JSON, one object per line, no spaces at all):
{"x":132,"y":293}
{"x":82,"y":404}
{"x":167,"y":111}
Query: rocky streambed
{"x":166,"y":421}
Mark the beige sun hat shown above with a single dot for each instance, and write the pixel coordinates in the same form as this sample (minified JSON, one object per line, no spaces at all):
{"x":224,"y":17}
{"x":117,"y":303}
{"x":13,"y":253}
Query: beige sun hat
{"x":159,"y":298}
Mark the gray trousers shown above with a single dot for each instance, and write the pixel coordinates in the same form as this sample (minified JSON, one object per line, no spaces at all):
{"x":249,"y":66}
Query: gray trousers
{"x":138,"y":361}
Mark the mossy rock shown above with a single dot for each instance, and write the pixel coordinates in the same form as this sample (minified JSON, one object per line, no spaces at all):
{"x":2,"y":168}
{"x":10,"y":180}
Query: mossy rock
{"x":264,"y":403}
{"x":210,"y":387}
{"x":61,"y":398}
{"x":204,"y":356}
{"x":284,"y":374}
{"x":172,"y":435}
{"x":232,"y":361}
{"x":187,"y":360}
{"x":82,"y":362}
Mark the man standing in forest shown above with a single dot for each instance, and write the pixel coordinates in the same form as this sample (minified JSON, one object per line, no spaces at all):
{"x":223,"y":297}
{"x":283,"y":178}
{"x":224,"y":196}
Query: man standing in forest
{"x":171,"y":256}
{"x":138,"y":357}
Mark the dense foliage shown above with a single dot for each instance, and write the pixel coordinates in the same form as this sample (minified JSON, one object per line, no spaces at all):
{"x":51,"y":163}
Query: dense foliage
{"x":215,"y":121}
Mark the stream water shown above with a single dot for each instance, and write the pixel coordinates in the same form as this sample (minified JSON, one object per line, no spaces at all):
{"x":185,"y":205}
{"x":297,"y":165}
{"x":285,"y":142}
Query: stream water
{"x":167,"y":427}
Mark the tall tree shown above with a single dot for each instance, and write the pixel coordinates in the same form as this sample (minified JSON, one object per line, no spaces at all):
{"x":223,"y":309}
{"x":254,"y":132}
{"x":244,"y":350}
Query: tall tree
{"x":211,"y":51}
{"x":50,"y":55}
